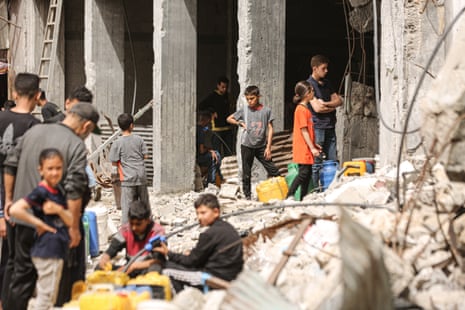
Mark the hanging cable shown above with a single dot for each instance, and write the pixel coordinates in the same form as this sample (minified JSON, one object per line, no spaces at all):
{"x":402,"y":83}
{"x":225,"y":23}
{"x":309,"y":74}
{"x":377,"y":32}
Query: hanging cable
{"x":281,"y":206}
{"x":410,"y":108}
{"x":133,"y":57}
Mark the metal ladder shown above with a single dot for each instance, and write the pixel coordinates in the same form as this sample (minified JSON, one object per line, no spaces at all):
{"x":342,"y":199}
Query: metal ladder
{"x":49,"y":47}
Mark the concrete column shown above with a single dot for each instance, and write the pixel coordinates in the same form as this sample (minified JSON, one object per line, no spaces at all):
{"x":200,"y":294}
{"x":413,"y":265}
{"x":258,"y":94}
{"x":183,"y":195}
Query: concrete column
{"x":25,"y":36}
{"x":174,"y":92}
{"x":261,"y":52}
{"x":261,"y":57}
{"x":104,"y":54}
{"x":409,"y":32}
{"x":443,"y":125}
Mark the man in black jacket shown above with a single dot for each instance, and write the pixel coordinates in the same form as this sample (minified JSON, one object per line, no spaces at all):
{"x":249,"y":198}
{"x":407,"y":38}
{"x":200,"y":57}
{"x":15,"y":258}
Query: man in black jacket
{"x":218,"y":251}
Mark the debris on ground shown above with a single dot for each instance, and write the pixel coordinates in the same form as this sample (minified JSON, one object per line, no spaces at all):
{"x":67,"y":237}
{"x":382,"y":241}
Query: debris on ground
{"x":360,"y":248}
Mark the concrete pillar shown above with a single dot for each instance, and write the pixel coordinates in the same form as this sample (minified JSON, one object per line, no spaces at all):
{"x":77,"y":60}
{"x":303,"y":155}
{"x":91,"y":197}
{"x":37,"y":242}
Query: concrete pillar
{"x":25,"y":36}
{"x":409,"y":32}
{"x":261,"y":56}
{"x":261,"y":52}
{"x":104,"y":54}
{"x":444,"y":125}
{"x":26,"y":40}
{"x":174,"y":92}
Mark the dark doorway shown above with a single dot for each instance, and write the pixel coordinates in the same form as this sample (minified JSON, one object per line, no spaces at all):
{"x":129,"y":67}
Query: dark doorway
{"x":74,"y":46}
{"x":319,"y":27}
{"x":217,"y":34}
{"x":138,"y":57}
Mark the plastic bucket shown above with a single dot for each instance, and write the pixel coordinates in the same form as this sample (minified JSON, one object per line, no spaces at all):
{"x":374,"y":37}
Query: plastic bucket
{"x":101,"y":214}
{"x":93,"y":233}
{"x":327,"y":173}
{"x":292,"y":172}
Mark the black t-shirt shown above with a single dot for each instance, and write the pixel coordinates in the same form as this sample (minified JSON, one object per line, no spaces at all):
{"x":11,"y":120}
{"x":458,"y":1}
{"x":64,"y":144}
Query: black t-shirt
{"x":323,"y":91}
{"x":49,"y":110}
{"x":12,"y":126}
{"x":219,"y":104}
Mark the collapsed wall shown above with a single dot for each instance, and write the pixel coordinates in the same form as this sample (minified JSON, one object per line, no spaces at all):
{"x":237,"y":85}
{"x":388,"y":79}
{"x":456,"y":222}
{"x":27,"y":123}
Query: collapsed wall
{"x":410,"y":31}
{"x":444,"y":110}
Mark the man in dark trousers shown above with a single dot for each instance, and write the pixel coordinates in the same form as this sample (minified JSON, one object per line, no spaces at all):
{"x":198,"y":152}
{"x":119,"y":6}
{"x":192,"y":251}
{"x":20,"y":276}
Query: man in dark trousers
{"x":13,"y":124}
{"x":21,"y":176}
{"x":323,"y":107}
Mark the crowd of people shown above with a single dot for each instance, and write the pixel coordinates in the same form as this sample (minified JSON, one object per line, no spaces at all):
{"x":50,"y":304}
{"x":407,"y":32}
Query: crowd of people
{"x":44,"y":182}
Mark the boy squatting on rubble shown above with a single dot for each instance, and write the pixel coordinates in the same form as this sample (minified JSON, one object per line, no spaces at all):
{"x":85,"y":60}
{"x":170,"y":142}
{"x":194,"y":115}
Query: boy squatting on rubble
{"x":218,"y":251}
{"x":133,"y":236}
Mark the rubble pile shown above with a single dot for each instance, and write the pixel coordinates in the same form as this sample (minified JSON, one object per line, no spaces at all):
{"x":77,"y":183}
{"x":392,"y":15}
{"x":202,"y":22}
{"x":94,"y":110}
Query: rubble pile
{"x":421,"y":246}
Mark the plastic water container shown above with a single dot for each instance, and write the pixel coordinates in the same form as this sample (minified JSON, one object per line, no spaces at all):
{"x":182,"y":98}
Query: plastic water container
{"x":104,"y":297}
{"x":355,"y":168}
{"x":85,"y":223}
{"x":93,"y":232}
{"x":292,"y":172}
{"x":273,"y":188}
{"x":159,"y":284}
{"x":101,"y":214}
{"x":327,"y":173}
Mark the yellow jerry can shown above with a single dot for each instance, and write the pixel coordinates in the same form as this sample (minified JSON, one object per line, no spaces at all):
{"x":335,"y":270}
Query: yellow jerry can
{"x":103,"y":297}
{"x":160,"y":284}
{"x":273,"y":188}
{"x":354,"y":168}
{"x":117,"y":278}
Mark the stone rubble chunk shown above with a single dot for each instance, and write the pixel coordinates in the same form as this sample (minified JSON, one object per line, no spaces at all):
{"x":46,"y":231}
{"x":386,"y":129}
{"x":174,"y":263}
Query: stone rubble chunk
{"x":401,"y":272}
{"x":189,"y":298}
{"x":228,"y":191}
{"x":440,"y":299}
{"x":361,"y":190}
{"x":432,"y":224}
{"x":438,"y":258}
{"x":312,"y":278}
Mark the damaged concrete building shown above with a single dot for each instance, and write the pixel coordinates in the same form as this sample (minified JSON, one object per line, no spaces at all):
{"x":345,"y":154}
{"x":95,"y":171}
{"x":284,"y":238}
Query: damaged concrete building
{"x":171,"y":51}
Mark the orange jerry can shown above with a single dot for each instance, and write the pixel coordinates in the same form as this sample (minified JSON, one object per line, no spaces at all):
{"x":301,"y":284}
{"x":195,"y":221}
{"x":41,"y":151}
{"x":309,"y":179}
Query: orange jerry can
{"x":273,"y":188}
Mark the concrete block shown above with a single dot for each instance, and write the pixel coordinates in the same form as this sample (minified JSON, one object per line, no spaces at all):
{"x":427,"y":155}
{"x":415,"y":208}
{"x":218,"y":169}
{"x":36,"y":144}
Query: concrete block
{"x":229,"y":190}
{"x":438,"y":258}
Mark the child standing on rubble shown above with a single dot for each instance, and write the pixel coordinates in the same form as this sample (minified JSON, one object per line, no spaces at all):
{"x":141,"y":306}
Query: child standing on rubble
{"x":257,"y":123}
{"x":218,"y":251}
{"x":51,"y":218}
{"x":127,"y":155}
{"x":304,"y":148}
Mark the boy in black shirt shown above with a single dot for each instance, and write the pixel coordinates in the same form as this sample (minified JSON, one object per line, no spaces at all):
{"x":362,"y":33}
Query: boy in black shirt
{"x":217,"y":252}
